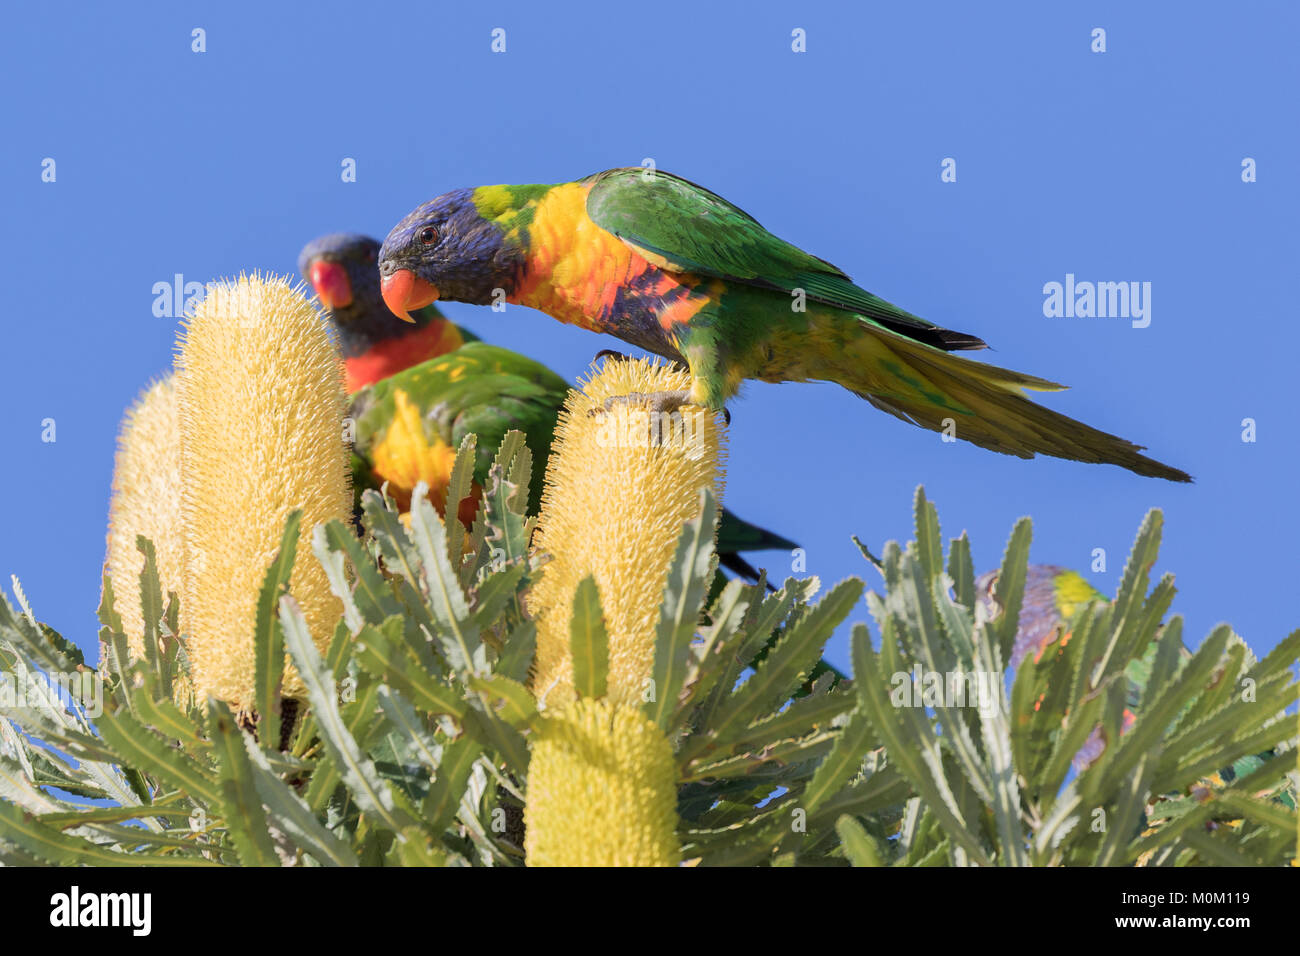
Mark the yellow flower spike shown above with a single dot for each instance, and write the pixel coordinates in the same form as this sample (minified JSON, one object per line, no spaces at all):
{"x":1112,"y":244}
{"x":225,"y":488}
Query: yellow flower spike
{"x":146,"y":501}
{"x":614,"y":505}
{"x":261,"y":403}
{"x":601,"y":789}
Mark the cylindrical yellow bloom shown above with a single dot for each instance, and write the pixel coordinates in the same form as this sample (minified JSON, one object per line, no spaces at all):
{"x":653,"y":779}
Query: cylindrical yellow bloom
{"x":260,"y":390}
{"x":601,"y":789}
{"x":146,"y":501}
{"x":620,"y":485}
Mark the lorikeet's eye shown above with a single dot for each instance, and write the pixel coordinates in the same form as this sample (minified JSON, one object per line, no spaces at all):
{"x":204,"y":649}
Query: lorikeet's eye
{"x":428,"y":235}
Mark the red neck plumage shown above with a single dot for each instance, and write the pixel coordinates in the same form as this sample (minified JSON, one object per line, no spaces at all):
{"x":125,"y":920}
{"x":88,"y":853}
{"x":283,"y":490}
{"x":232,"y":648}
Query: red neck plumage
{"x":398,"y":354}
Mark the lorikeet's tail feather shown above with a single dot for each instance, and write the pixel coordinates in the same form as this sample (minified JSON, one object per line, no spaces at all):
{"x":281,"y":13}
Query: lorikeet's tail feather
{"x":741,"y":568}
{"x":737,"y":534}
{"x":985,"y":404}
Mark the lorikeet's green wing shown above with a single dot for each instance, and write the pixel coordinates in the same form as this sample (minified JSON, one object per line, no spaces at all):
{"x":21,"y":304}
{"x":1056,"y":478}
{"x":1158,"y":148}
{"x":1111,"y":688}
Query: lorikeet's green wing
{"x":673,"y":222}
{"x":410,"y":425}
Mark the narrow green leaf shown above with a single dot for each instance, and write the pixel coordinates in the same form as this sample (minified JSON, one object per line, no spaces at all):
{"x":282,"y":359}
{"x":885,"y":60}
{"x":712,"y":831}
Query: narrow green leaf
{"x":151,"y":610}
{"x":588,"y":640}
{"x":910,"y":742}
{"x":291,"y":815}
{"x":510,"y":699}
{"x":859,"y":848}
{"x":448,"y":786}
{"x":456,"y":632}
{"x":48,"y":844}
{"x":372,"y":793}
{"x":136,"y":746}
{"x":842,"y":764}
{"x":789,"y":662}
{"x":929,"y":547}
{"x":388,"y":660}
{"x":962,"y":570}
{"x":241,"y":807}
{"x":687,"y":587}
{"x":268,"y":637}
{"x":459,"y":486}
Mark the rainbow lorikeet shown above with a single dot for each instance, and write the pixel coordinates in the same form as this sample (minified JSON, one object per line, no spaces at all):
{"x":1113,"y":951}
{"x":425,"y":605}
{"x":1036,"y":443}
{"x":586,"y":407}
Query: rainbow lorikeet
{"x":342,"y":268}
{"x":677,"y":270}
{"x":1053,"y":596}
{"x":416,"y":394}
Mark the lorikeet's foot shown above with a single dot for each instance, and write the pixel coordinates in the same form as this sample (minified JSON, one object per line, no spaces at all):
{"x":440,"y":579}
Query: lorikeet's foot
{"x":660,"y":402}
{"x":622,"y":357}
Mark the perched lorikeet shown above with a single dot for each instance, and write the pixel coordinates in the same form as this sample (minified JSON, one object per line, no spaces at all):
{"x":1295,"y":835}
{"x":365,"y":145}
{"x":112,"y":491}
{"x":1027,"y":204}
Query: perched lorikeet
{"x":439,"y":383}
{"x":677,"y":270}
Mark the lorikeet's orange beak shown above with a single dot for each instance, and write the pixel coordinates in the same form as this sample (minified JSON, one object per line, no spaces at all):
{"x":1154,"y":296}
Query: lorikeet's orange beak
{"x":404,"y":291}
{"x":330,"y":280}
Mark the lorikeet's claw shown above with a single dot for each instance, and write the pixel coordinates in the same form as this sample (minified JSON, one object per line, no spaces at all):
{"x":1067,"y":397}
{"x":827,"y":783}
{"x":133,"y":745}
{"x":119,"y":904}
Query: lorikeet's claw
{"x":608,"y":353}
{"x":660,"y":402}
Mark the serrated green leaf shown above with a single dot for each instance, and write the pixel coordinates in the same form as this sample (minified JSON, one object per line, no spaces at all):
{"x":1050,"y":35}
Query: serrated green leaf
{"x":686,"y":588}
{"x":456,"y":632}
{"x":588,"y":640}
{"x":859,"y":848}
{"x":268,"y":638}
{"x":137,"y":746}
{"x":372,"y":793}
{"x":241,"y":807}
{"x":447,"y":787}
{"x":63,"y":849}
{"x":459,"y":485}
{"x":789,"y":661}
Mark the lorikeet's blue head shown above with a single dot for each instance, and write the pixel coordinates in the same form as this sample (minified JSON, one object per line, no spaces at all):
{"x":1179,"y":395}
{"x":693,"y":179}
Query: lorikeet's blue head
{"x":1052,"y":595}
{"x":446,"y":249}
{"x":343,"y":269}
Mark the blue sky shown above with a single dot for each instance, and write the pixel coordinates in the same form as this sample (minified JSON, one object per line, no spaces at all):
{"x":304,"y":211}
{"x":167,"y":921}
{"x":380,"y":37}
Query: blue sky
{"x":1117,"y":166}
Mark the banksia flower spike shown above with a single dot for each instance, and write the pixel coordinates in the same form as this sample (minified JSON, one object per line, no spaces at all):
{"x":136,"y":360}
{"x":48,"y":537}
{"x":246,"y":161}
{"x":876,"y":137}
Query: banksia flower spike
{"x":146,"y":501}
{"x":601,"y":789}
{"x":261,"y":404}
{"x":616,"y":497}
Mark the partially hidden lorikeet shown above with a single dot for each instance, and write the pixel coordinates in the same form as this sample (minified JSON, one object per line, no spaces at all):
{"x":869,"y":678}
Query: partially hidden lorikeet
{"x":677,"y":270}
{"x":343,"y":269}
{"x":416,"y":394}
{"x":1053,"y":596}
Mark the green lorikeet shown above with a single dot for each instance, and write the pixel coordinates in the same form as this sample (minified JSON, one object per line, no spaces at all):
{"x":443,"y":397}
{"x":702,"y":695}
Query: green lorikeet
{"x":677,"y":270}
{"x":416,"y":394}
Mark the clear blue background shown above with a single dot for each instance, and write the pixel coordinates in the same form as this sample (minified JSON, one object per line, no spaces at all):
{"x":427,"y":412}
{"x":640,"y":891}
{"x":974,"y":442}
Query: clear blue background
{"x":1117,"y":166}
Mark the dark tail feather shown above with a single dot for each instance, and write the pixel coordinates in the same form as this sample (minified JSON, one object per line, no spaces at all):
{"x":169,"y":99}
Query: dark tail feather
{"x":986,"y":404}
{"x":741,"y":568}
{"x":737,"y":534}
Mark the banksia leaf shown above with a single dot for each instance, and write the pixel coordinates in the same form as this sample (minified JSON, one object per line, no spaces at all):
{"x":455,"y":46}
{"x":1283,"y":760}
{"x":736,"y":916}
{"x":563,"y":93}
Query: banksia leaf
{"x":620,"y":485}
{"x":146,"y":501}
{"x":260,"y":393}
{"x":859,"y":848}
{"x":589,"y":641}
{"x":601,"y":789}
